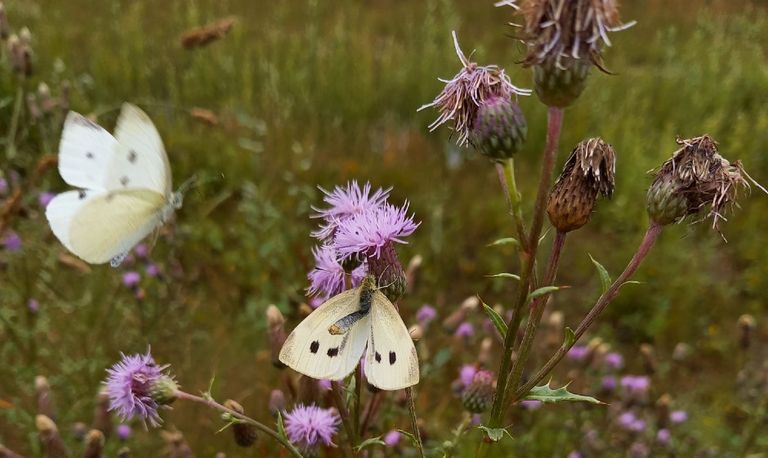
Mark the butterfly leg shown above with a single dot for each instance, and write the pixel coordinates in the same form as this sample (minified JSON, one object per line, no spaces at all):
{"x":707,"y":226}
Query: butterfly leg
{"x":117,"y":260}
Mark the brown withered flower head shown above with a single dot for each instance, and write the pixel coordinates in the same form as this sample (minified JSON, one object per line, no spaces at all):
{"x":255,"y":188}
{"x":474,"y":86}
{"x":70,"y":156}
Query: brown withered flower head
{"x":463,"y":95}
{"x":588,"y":173}
{"x":696,"y":177}
{"x":564,"y":37}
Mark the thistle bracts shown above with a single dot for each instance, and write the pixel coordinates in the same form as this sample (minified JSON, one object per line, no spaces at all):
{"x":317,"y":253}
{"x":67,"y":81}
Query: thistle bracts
{"x":244,"y":433}
{"x":588,"y":174}
{"x":478,"y":395}
{"x":696,"y":177}
{"x":499,"y":129}
{"x":564,"y":38}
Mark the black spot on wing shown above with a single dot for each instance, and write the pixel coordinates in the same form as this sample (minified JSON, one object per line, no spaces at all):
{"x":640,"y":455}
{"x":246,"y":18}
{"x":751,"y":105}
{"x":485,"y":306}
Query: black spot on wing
{"x":378,"y":357}
{"x":392,"y":358}
{"x":132,"y":156}
{"x":81,"y":194}
{"x":124,"y":181}
{"x":314,"y":346}
{"x":333,"y":352}
{"x":89,"y":155}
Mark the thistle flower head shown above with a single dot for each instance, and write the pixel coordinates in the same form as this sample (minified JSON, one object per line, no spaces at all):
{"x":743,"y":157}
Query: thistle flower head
{"x":426,"y":314}
{"x":326,"y":279}
{"x":309,"y":426}
{"x":588,"y":173}
{"x":463,"y":95}
{"x":346,"y":202}
{"x":696,"y":177}
{"x":478,"y":396}
{"x":367,"y":233}
{"x":678,"y":416}
{"x":132,"y":386}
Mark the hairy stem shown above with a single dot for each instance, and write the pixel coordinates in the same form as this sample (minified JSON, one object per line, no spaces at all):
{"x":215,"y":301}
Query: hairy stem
{"x":642,"y":251}
{"x":414,"y":422}
{"x":260,"y":426}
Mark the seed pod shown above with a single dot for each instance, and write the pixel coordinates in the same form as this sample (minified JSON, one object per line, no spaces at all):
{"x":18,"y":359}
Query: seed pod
{"x":499,"y":129}
{"x":588,"y":173}
{"x":244,"y":434}
{"x":276,"y":333}
{"x":50,"y":439}
{"x":94,"y":444}
{"x":478,"y":396}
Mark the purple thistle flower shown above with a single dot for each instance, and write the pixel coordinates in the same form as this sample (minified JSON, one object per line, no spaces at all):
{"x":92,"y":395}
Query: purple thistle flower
{"x":308,"y":426}
{"x":316,"y":302}
{"x":392,"y":438}
{"x":614,"y":361}
{"x":626,"y":419}
{"x":578,"y":353}
{"x":635,"y":384}
{"x":608,"y":383}
{"x":369,"y":232}
{"x":123,"y":431}
{"x":476,"y":419}
{"x":465,"y":330}
{"x":678,"y":416}
{"x":45,"y":198}
{"x":131,"y":279}
{"x":637,"y":426}
{"x":129,"y":386}
{"x":426,"y":314}
{"x":11,"y":242}
{"x":639,"y":450}
{"x":327,"y":278}
{"x":467,"y":374}
{"x":574,"y":454}
{"x":141,"y":250}
{"x":346,"y":203}
{"x":152,"y":270}
{"x":663,"y":436}
{"x":33,"y":306}
{"x":324,"y":385}
{"x":3,"y":186}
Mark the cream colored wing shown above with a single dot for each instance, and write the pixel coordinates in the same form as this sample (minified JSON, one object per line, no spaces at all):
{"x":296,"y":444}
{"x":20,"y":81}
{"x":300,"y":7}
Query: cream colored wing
{"x":391,"y":362}
{"x":98,"y":226}
{"x":86,"y":151}
{"x":313,"y":351}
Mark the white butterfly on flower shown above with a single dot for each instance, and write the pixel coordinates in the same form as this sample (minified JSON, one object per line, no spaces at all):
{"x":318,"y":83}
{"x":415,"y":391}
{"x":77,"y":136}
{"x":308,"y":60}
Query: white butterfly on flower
{"x":328,"y":344}
{"x":125,"y":186}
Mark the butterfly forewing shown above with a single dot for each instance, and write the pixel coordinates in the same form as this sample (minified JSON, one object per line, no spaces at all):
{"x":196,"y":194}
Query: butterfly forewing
{"x":85,"y":153}
{"x":391,"y":362}
{"x":311,"y":350}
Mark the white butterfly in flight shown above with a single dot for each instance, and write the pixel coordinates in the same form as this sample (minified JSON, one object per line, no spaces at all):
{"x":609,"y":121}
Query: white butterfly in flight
{"x":328,"y":344}
{"x":125,"y":184}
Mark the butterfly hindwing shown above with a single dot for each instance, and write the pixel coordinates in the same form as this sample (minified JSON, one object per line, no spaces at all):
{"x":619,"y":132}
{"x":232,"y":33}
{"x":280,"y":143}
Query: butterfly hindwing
{"x":391,"y":362}
{"x":311,"y":350}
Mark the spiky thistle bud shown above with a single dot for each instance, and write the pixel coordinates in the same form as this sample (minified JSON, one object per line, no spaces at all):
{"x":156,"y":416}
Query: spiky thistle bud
{"x":464,"y":94}
{"x":164,"y":390}
{"x":499,"y":128}
{"x":564,"y":38}
{"x":747,"y":326}
{"x":478,"y":396}
{"x":276,"y":334}
{"x":588,"y":173}
{"x":102,"y":417}
{"x":696,"y":177}
{"x":45,"y":403}
{"x":276,"y":402}
{"x":50,"y":439}
{"x":244,"y":433}
{"x":94,"y":444}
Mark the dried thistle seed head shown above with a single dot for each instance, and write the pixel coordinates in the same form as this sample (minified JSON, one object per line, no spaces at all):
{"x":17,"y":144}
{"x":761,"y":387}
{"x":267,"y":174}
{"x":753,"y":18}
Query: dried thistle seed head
{"x":588,"y":173}
{"x":94,"y":443}
{"x":696,"y":177}
{"x":463,"y":95}
{"x":499,"y":129}
{"x":563,"y":39}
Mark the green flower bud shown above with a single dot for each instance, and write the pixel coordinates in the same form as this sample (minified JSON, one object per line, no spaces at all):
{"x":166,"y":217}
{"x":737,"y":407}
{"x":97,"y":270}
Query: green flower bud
{"x":165,"y":390}
{"x":478,"y":396}
{"x":560,"y":85}
{"x":499,"y":129}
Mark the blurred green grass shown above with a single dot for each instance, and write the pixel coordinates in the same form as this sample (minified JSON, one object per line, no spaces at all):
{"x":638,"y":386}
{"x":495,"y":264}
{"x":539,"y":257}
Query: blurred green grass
{"x":316,"y":93}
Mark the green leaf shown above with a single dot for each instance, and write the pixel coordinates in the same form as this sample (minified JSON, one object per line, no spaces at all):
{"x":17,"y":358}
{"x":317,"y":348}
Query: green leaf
{"x":505,"y":275}
{"x":605,"y":279}
{"x":496,"y":319}
{"x":544,"y":290}
{"x":570,"y":337}
{"x":494,"y":434}
{"x":408,"y":435}
{"x":281,"y":426}
{"x":505,"y":241}
{"x":545,"y":393}
{"x":370,"y":441}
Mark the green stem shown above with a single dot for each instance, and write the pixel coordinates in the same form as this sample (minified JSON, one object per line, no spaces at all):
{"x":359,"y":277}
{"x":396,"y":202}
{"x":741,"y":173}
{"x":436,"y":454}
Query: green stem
{"x":10,"y":141}
{"x":414,"y":422}
{"x":338,"y":399}
{"x":642,"y":251}
{"x":506,"y":172}
{"x":358,"y":400}
{"x":262,"y":427}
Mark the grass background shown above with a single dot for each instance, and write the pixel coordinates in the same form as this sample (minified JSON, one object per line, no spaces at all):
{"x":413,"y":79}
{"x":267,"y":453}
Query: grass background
{"x":317,"y":93}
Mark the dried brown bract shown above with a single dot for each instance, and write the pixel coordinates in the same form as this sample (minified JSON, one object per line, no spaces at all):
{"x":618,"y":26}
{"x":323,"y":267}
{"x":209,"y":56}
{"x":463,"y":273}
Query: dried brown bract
{"x":203,"y":36}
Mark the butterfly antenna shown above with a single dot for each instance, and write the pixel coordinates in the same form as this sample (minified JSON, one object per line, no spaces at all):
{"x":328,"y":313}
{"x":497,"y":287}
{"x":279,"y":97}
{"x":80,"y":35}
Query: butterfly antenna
{"x":378,"y":281}
{"x":195,"y":181}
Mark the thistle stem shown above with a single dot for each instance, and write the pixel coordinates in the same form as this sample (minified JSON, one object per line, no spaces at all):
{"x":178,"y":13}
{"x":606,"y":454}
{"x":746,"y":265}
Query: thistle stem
{"x":10,"y":142}
{"x":260,"y":426}
{"x":554,"y":125}
{"x":506,"y":172}
{"x":338,"y":399}
{"x":358,"y":401}
{"x":414,"y":422}
{"x":642,"y":251}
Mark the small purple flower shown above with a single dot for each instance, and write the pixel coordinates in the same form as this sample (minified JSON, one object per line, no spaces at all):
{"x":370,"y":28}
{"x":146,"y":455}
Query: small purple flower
{"x":123,"y":432}
{"x":327,"y":278}
{"x":608,"y":383}
{"x":574,"y":454}
{"x":578,"y":353}
{"x":663,"y":436}
{"x":426,"y":314}
{"x":346,"y":203}
{"x":3,"y":186}
{"x":325,"y":385}
{"x":476,"y":419}
{"x":637,"y":426}
{"x":45,"y":198}
{"x":392,"y":438}
{"x":33,"y":306}
{"x":141,"y":250}
{"x":152,"y":270}
{"x":627,"y":419}
{"x":369,"y":232}
{"x":467,"y":374}
{"x":614,"y":361}
{"x":131,"y":279}
{"x":465,"y":330}
{"x":530,"y":404}
{"x":129,"y":387}
{"x":11,"y":242}
{"x":678,"y":416}
{"x":308,"y":426}
{"x":635,"y":384}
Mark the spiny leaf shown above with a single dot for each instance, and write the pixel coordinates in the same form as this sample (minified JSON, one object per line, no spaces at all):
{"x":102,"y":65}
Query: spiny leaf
{"x":494,"y":434}
{"x":281,"y":426}
{"x":605,"y":279}
{"x":505,"y":241}
{"x":544,"y":290}
{"x":370,"y":441}
{"x":545,"y":393}
{"x":504,"y":275}
{"x":570,"y":337}
{"x":496,"y":319}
